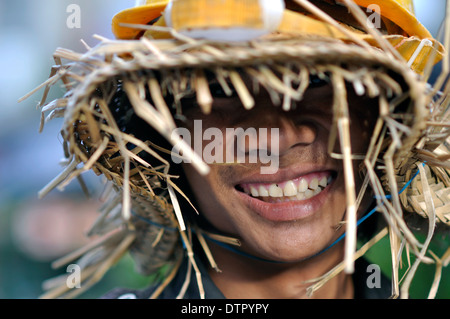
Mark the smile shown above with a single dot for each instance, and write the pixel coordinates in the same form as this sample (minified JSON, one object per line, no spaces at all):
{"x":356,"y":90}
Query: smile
{"x":288,"y":200}
{"x":298,"y":189}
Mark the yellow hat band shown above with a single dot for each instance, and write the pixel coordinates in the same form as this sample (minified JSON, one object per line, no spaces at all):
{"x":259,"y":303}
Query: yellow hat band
{"x":400,"y":12}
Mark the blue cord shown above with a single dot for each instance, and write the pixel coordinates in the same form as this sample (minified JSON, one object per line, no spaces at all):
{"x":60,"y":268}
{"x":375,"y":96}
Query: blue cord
{"x":406,"y":185}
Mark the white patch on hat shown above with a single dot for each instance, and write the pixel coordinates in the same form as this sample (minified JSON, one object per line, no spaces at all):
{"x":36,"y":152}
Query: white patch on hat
{"x":272,"y":15}
{"x":140,"y":3}
{"x":127,"y":296}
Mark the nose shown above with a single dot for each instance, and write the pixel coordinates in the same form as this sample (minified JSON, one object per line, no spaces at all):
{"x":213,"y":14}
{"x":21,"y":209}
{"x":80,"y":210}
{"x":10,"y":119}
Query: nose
{"x":292,"y":134}
{"x":278,"y":132}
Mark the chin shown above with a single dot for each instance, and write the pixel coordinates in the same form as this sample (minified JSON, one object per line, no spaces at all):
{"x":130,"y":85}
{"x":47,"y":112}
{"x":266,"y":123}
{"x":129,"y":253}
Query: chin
{"x":289,"y":242}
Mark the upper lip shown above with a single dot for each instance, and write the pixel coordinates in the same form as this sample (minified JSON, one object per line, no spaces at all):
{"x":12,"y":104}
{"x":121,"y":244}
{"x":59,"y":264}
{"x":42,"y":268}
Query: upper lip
{"x":284,"y":174}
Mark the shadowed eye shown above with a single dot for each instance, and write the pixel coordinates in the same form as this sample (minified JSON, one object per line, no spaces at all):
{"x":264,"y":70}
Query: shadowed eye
{"x":217,"y":91}
{"x":316,"y":81}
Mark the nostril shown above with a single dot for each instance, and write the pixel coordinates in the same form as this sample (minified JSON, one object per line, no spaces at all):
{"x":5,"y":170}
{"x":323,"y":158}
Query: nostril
{"x":294,"y":132}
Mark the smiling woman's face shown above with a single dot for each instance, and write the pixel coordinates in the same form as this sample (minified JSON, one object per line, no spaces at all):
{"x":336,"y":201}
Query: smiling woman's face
{"x":295,"y":212}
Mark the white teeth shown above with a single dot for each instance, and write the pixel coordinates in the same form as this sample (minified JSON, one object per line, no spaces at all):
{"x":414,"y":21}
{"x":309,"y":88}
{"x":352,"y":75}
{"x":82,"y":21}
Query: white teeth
{"x":314,"y":184}
{"x":308,"y":194}
{"x":275,"y":191}
{"x":254,"y":191}
{"x":302,"y":186}
{"x":293,"y":190}
{"x":263,"y":191}
{"x":300,"y":196}
{"x":323,"y":182}
{"x":290,"y":189}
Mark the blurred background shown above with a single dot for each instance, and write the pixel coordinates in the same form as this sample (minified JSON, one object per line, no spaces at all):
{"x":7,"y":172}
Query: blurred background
{"x":35,"y":232}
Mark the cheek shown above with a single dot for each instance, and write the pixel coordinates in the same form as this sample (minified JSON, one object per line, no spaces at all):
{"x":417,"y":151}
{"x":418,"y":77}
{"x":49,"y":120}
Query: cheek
{"x":212,"y":194}
{"x":360,"y":136}
{"x":363,"y":117}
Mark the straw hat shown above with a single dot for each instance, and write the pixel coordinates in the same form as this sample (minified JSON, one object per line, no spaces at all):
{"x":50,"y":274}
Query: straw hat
{"x":117,"y":83}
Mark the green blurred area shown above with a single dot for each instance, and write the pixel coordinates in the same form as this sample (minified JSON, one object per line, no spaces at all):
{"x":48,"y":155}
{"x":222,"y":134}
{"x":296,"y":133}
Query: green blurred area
{"x":22,"y":275}
{"x":424,"y":277}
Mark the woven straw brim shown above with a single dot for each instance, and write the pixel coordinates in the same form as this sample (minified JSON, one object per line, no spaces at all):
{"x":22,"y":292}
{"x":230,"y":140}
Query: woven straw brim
{"x":144,"y":213}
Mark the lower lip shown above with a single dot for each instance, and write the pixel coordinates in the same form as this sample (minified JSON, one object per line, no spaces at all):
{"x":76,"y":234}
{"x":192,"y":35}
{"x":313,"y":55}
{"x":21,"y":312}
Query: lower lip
{"x":286,"y":211}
